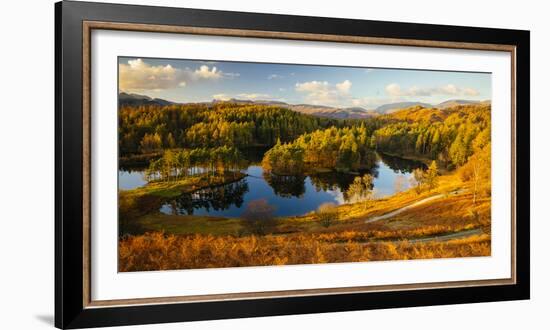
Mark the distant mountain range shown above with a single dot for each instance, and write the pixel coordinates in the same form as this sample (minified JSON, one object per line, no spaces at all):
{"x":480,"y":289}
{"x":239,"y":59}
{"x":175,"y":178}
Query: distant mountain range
{"x":392,"y":107}
{"x":310,"y":109}
{"x":136,"y":99}
{"x":314,"y":110}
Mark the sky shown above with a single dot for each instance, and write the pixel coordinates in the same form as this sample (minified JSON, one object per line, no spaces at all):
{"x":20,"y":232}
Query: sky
{"x":185,"y":81}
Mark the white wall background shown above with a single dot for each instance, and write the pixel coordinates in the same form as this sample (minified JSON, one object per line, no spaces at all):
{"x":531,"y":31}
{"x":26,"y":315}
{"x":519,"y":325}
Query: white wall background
{"x":27,"y":163}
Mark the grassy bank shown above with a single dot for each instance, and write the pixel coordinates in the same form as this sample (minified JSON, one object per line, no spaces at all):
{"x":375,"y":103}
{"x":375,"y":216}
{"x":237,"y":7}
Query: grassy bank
{"x":136,"y":203}
{"x":156,"y":251}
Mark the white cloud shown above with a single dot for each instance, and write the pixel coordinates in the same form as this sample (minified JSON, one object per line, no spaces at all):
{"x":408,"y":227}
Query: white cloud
{"x":254,"y":96}
{"x":137,"y":75}
{"x":344,"y":86}
{"x":323,"y":93}
{"x":395,"y":90}
{"x":221,"y":97}
{"x":470,"y":91}
{"x":312,"y":86}
{"x":204,"y":72}
{"x":449,"y":89}
{"x":274,"y":76}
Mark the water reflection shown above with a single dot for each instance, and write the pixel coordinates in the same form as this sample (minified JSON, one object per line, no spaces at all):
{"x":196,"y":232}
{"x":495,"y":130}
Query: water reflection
{"x":287,"y":186}
{"x":401,"y":165}
{"x":131,"y":178}
{"x":209,"y":199}
{"x":290,"y":195}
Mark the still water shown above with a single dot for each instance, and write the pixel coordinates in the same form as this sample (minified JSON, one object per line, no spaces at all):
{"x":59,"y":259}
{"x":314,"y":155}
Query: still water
{"x":290,"y":195}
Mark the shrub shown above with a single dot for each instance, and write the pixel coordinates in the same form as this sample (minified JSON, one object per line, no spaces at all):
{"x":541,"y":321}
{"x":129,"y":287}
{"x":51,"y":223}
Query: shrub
{"x":327,"y":213}
{"x":258,"y":216}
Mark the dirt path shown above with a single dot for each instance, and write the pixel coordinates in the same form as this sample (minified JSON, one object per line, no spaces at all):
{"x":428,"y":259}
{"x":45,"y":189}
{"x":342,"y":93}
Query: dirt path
{"x":410,"y":206}
{"x":437,"y":238}
{"x":447,"y":237}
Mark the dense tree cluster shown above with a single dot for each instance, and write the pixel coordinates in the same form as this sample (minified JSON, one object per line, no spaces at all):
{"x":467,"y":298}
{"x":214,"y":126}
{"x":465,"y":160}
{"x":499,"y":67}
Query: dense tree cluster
{"x":449,"y":136}
{"x":347,"y":148}
{"x":177,"y":164}
{"x":150,"y":128}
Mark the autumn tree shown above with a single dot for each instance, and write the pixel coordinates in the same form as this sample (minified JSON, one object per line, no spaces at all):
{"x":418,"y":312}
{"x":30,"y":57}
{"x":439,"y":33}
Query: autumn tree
{"x":219,"y":124}
{"x":418,"y":180}
{"x":150,"y":143}
{"x":176,"y":164}
{"x":449,"y":136}
{"x":284,"y":159}
{"x":334,"y":148}
{"x":431,"y":176}
{"x":477,"y":173}
{"x":361,"y":189}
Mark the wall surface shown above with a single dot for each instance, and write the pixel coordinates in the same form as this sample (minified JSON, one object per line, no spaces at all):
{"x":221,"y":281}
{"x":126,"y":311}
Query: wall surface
{"x":27,"y":164}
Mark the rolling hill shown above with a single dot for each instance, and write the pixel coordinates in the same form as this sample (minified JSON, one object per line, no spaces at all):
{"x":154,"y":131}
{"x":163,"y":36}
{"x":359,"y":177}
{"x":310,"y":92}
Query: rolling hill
{"x":127,"y":99}
{"x":136,"y":100}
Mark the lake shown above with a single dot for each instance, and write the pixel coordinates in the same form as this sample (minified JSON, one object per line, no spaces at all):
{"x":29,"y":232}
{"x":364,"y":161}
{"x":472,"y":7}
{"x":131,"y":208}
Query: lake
{"x":290,"y":195}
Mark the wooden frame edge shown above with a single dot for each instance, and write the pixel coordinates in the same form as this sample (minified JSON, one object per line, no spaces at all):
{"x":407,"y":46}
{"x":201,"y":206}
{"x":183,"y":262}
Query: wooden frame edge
{"x":295,"y":293}
{"x":89,"y":25}
{"x":138,"y":27}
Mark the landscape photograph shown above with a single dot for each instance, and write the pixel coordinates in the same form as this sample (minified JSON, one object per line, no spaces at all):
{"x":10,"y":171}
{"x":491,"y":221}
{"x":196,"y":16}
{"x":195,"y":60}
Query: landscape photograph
{"x":239,"y":164}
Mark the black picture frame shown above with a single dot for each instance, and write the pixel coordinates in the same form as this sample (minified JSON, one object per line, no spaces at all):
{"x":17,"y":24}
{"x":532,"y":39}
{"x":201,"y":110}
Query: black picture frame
{"x":70,"y":310}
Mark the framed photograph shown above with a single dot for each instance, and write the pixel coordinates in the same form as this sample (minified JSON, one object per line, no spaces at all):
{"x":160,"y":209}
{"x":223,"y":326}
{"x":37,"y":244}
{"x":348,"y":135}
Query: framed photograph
{"x":214,"y":164}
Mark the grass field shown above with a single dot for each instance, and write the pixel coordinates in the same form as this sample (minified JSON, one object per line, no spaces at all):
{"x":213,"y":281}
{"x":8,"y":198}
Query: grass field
{"x":156,"y":251}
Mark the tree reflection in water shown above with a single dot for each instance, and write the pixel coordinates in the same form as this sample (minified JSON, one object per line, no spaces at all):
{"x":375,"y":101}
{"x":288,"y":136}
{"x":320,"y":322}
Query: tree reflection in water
{"x":287,"y":186}
{"x":312,"y":190}
{"x":401,"y":165}
{"x":214,"y":198}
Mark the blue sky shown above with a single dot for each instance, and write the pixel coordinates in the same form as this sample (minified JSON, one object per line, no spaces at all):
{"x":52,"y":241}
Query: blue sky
{"x":198,"y":81}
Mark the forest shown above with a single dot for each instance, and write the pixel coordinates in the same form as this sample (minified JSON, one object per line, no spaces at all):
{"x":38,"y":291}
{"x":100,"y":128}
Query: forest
{"x":450,"y":136}
{"x":152,"y":128}
{"x":345,"y":149}
{"x":194,"y":155}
